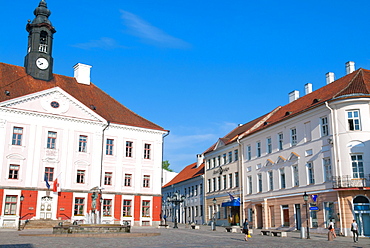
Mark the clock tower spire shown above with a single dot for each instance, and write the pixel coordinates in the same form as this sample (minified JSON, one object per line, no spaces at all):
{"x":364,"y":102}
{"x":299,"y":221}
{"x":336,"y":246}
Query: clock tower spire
{"x":38,"y":61}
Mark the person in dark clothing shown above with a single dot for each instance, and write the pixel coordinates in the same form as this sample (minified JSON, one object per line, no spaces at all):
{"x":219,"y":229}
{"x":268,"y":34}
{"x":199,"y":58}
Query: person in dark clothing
{"x":354,"y":229}
{"x":246,"y":229}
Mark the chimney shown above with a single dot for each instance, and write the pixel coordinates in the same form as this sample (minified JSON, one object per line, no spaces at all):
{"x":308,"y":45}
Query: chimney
{"x":294,"y":95}
{"x":200,"y":158}
{"x":350,"y":67}
{"x":82,"y":73}
{"x":329,"y":77}
{"x":308,"y":88}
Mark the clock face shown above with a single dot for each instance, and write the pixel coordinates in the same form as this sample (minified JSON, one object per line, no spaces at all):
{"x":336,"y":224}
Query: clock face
{"x":54,"y":104}
{"x":42,"y":63}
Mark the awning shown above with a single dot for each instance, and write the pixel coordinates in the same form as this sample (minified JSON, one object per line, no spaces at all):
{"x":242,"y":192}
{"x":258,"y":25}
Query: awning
{"x":233,"y":203}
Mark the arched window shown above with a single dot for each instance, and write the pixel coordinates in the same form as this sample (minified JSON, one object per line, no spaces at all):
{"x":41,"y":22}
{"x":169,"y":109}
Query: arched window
{"x":361,"y":199}
{"x":361,"y":203}
{"x":43,"y":42}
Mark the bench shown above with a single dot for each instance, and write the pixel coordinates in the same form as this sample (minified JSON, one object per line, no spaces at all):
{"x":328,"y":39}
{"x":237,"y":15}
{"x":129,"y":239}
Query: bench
{"x":276,"y":233}
{"x":234,"y":229}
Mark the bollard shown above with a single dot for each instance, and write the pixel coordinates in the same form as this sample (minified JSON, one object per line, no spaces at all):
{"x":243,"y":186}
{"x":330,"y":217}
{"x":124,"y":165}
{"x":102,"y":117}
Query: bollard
{"x":330,"y":236}
{"x":303,"y":232}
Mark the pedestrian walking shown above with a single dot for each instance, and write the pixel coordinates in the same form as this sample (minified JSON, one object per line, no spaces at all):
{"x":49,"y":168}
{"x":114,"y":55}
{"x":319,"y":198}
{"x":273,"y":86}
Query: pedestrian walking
{"x":354,"y":229}
{"x":332,"y":228}
{"x":246,"y":229}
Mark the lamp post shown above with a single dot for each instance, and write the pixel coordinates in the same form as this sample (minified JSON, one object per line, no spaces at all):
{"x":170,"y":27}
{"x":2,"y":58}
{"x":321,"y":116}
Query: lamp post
{"x":20,"y":212}
{"x":214,"y":214}
{"x":305,"y":198}
{"x":176,"y":199}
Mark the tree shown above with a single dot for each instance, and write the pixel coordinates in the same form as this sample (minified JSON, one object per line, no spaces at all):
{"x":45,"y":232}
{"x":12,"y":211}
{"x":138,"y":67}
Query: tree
{"x":166,"y":166}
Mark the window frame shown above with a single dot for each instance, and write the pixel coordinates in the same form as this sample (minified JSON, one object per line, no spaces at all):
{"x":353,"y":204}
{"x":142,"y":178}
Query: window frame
{"x":109,"y":146}
{"x":310,"y":172}
{"x":147,"y":151}
{"x":14,"y":172}
{"x":107,"y":207}
{"x":293,"y":136}
{"x":357,"y":162}
{"x":128,"y":180}
{"x":82,"y":143}
{"x":10,"y":205}
{"x":17,"y":136}
{"x":49,"y":173}
{"x":258,"y":149}
{"x":126,"y":208}
{"x":129,"y":149}
{"x":352,"y":120}
{"x":327,"y":169}
{"x":145,"y":208}
{"x":146,"y":181}
{"x":280,"y":141}
{"x":268,"y":145}
{"x":108,"y":178}
{"x":324,"y":126}
{"x":79,"y":202}
{"x":51,"y":140}
{"x":80,"y":176}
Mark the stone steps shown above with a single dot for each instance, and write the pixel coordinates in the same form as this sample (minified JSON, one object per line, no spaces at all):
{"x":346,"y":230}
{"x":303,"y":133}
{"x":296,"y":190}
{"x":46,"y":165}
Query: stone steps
{"x":39,"y":224}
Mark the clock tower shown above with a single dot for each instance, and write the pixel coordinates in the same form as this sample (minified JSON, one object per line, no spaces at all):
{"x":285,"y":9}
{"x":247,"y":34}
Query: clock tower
{"x":38,"y":61}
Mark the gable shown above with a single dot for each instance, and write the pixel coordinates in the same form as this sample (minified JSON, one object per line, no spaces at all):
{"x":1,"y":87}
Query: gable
{"x":293,"y":156}
{"x":280,"y":160}
{"x":269,"y":162}
{"x":53,"y":101}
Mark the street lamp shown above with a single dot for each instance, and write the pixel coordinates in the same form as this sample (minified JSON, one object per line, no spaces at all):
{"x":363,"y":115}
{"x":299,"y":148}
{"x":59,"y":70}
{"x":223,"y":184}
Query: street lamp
{"x":20,"y":212}
{"x":176,"y":199}
{"x":214,"y":214}
{"x":305,"y":198}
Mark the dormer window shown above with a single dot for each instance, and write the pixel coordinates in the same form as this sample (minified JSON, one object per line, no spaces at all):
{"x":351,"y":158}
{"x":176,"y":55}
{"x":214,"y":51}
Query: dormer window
{"x":43,"y":42}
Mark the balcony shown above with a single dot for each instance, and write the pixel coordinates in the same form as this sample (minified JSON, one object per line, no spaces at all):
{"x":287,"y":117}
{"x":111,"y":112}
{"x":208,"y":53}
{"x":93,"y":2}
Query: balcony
{"x":349,"y":182}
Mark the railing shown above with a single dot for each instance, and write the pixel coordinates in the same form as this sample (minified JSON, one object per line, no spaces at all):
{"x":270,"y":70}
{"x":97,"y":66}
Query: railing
{"x":349,"y":182}
{"x":68,"y":218}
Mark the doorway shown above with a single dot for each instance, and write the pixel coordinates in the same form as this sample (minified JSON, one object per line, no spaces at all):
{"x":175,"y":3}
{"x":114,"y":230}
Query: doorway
{"x":45,"y":208}
{"x":298,"y":220}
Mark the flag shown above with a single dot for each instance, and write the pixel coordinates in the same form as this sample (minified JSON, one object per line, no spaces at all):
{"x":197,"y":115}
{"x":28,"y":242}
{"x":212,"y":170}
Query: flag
{"x":314,"y":197}
{"x":46,"y":181}
{"x":55,"y":185}
{"x":231,"y":197}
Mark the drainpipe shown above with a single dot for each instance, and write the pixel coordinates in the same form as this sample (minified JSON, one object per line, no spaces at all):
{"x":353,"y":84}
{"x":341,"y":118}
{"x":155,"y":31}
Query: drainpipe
{"x":336,"y":152}
{"x":101,"y":170}
{"x":168,"y":133}
{"x":241,"y":181}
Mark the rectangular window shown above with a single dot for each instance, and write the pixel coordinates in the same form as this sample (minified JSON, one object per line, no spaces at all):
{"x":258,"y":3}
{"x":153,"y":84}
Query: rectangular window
{"x":258,"y":149}
{"x":49,"y":173}
{"x":280,"y":141}
{"x":225,"y":181}
{"x":353,"y":120}
{"x":146,"y":181}
{"x":109,"y":147}
{"x":80,"y":176}
{"x":230,"y":157}
{"x":259,"y":180}
{"x":108,"y":178}
{"x":357,"y":166}
{"x":218,"y":160}
{"x":129,"y":147}
{"x":128,"y":178}
{"x":145,"y":211}
{"x":13,"y":171}
{"x":79,"y":206}
{"x":147,"y":151}
{"x":236,"y":155}
{"x":310,"y":173}
{"x":230,"y":180}
{"x":10,"y":205}
{"x":324,"y":126}
{"x":282,"y":178}
{"x":224,"y":158}
{"x":52,"y":140}
{"x":271,"y":180}
{"x":82,"y":143}
{"x":236,"y":179}
{"x":107,"y":207}
{"x":208,"y":164}
{"x":209,"y":185}
{"x":196,"y":190}
{"x":250,"y":185}
{"x":286,"y":216}
{"x":307,"y":132}
{"x":126,"y":211}
{"x":293,"y":137}
{"x":268,"y":145}
{"x":295,"y":175}
{"x":327,"y":169}
{"x":249,"y":153}
{"x":214,"y":184}
{"x":201,"y":189}
{"x":192,"y":190}
{"x":17,"y":136}
{"x":213,"y":162}
{"x":219,"y":183}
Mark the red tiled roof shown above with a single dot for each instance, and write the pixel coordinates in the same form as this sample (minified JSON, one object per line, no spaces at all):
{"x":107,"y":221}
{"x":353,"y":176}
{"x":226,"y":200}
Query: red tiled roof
{"x":15,"y":80}
{"x":354,"y":84}
{"x":187,"y":173}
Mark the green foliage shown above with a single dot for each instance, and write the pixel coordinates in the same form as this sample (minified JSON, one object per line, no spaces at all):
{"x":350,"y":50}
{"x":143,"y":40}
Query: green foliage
{"x":166,"y":166}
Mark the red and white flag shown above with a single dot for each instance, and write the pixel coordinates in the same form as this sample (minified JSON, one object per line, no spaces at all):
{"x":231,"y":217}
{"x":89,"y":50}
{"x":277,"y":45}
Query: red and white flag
{"x":56,"y":185}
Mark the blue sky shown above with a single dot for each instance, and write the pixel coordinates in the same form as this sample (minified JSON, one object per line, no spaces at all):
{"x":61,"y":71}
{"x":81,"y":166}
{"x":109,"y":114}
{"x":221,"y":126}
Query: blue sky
{"x":198,"y":68}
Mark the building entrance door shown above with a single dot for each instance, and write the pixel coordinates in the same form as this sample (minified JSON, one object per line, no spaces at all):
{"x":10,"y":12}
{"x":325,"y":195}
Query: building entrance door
{"x":298,"y":220}
{"x":46,"y":209}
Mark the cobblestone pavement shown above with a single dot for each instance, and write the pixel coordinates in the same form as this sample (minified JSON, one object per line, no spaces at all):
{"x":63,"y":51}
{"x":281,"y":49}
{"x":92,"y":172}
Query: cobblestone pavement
{"x":181,"y":237}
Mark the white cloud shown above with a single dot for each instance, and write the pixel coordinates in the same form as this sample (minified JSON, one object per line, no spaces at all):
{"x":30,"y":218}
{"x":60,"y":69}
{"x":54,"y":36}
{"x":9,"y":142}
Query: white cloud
{"x":140,"y":28}
{"x":103,"y":43}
